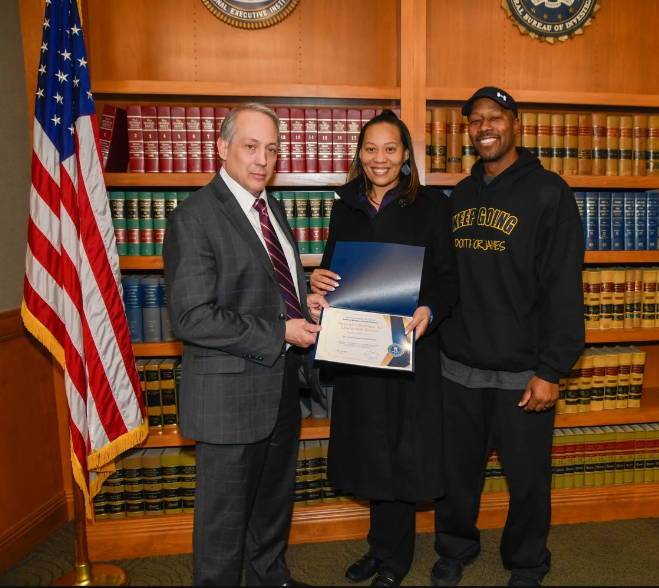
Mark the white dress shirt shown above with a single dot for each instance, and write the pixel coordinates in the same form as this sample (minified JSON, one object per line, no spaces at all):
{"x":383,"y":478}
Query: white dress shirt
{"x":246,"y":201}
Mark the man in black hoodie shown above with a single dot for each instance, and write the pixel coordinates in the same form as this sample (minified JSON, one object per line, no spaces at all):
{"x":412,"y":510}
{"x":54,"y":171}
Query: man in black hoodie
{"x":518,"y":327}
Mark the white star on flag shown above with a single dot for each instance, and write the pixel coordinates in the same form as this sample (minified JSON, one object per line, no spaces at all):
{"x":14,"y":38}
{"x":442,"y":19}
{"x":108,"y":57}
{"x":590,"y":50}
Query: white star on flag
{"x":72,"y":129}
{"x":61,"y":76}
{"x":56,"y":120}
{"x":40,"y":93}
{"x":76,"y":81}
{"x":44,"y":47}
{"x":42,"y":69}
{"x":66,"y":55}
{"x":59,"y":98}
{"x":46,"y":24}
{"x":89,"y":94}
{"x":75,"y":30}
{"x":82,"y":62}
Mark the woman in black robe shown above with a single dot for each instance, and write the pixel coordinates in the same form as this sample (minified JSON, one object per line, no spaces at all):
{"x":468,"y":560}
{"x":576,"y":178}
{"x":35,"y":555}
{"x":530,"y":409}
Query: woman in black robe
{"x":386,"y":431}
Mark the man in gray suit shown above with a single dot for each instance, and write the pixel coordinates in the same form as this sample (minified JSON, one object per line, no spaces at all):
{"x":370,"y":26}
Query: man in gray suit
{"x":237,"y":299}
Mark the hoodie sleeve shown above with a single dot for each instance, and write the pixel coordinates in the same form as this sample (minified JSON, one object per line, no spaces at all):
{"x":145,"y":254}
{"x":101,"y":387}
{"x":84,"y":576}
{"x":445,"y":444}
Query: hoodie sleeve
{"x":439,"y":281}
{"x":558,"y":266}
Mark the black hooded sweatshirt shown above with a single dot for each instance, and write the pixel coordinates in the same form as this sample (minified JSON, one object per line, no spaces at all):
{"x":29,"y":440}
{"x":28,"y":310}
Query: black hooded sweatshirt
{"x":520,"y":250}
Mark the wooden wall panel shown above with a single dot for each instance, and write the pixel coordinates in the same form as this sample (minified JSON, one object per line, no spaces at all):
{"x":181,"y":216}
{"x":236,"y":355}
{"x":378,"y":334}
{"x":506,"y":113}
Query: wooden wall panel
{"x":342,"y":42}
{"x":473,"y":44}
{"x":31,"y":483}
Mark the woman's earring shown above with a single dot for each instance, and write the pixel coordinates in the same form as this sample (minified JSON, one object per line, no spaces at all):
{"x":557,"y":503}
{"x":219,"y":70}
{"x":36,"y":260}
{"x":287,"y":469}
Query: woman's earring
{"x":406,"y":169}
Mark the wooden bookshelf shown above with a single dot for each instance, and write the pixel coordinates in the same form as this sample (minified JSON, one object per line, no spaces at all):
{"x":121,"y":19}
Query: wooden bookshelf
{"x":622,"y":335}
{"x":630,"y":183}
{"x":178,"y":180}
{"x":154,"y":262}
{"x":623,"y":257}
{"x":166,"y":535}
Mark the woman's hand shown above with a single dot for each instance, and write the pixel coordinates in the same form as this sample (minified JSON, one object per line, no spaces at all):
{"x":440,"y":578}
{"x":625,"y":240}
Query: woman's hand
{"x":420,"y":322}
{"x":324,"y":281}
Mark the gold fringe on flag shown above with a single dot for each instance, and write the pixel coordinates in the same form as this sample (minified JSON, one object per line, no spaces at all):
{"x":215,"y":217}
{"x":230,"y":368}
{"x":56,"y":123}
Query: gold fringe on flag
{"x":42,"y":334}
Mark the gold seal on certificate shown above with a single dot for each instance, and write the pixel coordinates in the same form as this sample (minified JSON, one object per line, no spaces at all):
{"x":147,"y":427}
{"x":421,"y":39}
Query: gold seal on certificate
{"x":367,"y":339}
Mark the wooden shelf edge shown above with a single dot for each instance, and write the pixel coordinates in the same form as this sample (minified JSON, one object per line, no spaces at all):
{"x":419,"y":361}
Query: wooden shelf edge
{"x":173,"y":349}
{"x":600,"y":182}
{"x":166,"y":535}
{"x":219,"y":89}
{"x":155,"y":262}
{"x":621,"y":257}
{"x":543,"y":97}
{"x":622,"y":335}
{"x":197,"y":180}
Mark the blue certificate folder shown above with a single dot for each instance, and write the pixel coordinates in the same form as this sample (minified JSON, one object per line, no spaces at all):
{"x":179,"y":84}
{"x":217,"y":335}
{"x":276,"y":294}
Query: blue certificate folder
{"x":381,"y":281}
{"x":377,"y":277}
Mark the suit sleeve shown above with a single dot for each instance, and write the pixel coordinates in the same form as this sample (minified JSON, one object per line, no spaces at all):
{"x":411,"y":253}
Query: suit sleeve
{"x":560,"y":290}
{"x":439,"y":280}
{"x":191,"y":277}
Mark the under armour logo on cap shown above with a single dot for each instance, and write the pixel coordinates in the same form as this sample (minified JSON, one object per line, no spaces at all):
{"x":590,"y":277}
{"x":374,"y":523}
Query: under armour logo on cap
{"x":496,"y":94}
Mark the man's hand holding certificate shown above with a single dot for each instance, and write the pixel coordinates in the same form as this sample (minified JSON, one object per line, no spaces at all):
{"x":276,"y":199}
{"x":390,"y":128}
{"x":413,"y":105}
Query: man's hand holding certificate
{"x":370,"y":312}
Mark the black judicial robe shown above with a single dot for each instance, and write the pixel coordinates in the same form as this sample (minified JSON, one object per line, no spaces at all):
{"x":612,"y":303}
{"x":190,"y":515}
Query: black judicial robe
{"x":386,"y":431}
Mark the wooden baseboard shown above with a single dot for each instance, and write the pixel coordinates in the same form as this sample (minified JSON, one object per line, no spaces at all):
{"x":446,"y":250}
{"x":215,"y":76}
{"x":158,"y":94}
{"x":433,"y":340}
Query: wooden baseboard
{"x":69,"y":504}
{"x":350,"y":520}
{"x":23,"y":537}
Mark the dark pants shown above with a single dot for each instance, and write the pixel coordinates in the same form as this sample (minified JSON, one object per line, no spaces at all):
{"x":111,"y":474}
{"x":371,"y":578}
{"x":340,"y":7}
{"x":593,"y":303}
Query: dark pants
{"x":244,"y":501}
{"x":391,"y":537}
{"x":476,"y":420}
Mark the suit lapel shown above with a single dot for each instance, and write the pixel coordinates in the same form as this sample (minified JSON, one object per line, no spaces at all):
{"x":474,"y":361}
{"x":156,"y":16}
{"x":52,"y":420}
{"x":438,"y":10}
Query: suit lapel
{"x":236,"y":216}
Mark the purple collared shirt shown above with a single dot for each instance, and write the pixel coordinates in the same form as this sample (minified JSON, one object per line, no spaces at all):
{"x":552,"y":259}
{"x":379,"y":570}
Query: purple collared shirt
{"x":372,"y":211}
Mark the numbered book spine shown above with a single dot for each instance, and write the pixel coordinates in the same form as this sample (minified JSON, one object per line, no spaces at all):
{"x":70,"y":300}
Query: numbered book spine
{"x":133,"y":306}
{"x":324,"y":140}
{"x":220,"y":114}
{"x":543,"y":139}
{"x":629,"y":199}
{"x":311,"y":139}
{"x":168,"y":392}
{"x":298,"y":151}
{"x":652,"y":168}
{"x":641,"y":222}
{"x":284,"y":156}
{"x":454,"y":141}
{"x":618,"y":299}
{"x":135,"y":139}
{"x":585,"y":145}
{"x":530,"y":132}
{"x":151,"y":310}
{"x":612,"y":145}
{"x":153,"y":398}
{"x":438,"y":140}
{"x":636,"y":380}
{"x":604,"y":221}
{"x":617,"y":222}
{"x":165,"y":162}
{"x":557,"y":143}
{"x":625,"y":146}
{"x":179,"y":141}
{"x":571,"y":145}
{"x":208,"y":144}
{"x":599,"y":144}
{"x":606,"y":297}
{"x":640,"y":145}
{"x":652,"y":219}
{"x":150,"y":138}
{"x":193,"y":138}
{"x":300,"y":496}
{"x":154,"y":499}
{"x":591,"y":223}
{"x":339,"y":140}
{"x":354,"y":128}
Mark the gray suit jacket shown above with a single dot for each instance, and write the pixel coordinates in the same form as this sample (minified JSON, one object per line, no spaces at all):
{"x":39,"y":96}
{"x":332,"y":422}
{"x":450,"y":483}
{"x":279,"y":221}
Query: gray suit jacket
{"x":225,"y":305}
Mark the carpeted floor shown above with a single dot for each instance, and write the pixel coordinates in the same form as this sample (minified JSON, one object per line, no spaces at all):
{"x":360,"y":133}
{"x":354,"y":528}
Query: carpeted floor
{"x":621,"y":553}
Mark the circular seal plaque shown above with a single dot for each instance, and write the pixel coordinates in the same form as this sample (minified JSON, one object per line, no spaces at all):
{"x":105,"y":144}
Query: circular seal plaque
{"x":551,"y":20}
{"x":396,"y":350}
{"x":251,"y":14}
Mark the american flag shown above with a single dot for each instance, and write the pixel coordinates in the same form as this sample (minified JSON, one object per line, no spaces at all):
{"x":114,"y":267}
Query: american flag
{"x":72,"y":299}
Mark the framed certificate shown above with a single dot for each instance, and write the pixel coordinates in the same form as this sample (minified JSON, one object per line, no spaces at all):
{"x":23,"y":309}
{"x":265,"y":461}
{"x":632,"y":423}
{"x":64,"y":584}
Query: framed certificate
{"x":373,"y":305}
{"x":368,"y":339}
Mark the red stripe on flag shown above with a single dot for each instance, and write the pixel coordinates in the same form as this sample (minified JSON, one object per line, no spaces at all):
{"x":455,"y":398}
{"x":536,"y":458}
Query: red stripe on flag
{"x":44,"y":184}
{"x":44,"y":252}
{"x":42,"y":312}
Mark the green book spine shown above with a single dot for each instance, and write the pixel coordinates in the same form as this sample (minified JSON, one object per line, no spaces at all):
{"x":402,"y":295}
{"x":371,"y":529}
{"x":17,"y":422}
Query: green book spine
{"x":117,"y":204}
{"x":133,"y":236}
{"x":131,"y":206}
{"x":158,"y":205}
{"x":147,"y":246}
{"x":145,"y":205}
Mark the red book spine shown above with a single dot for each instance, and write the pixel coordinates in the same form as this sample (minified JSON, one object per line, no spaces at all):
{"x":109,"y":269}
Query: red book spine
{"x":324,"y":140}
{"x":311,"y":139}
{"x":113,"y":136}
{"x":193,"y":138}
{"x":164,"y":139}
{"x":179,"y":144}
{"x":220,"y":114}
{"x":135,"y":139}
{"x":378,"y":112}
{"x":367,"y":114}
{"x":396,"y":111}
{"x":354,"y":127}
{"x":150,"y":136}
{"x":298,"y":151}
{"x":208,"y":146}
{"x":339,"y":140}
{"x":284,"y":157}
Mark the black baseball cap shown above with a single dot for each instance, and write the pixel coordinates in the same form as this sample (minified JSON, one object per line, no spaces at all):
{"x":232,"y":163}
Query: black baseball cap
{"x":497,"y":94}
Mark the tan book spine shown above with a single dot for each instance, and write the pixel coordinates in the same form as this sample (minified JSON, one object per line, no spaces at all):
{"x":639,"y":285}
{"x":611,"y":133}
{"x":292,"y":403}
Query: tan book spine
{"x":518,"y":134}
{"x":629,"y":453}
{"x":599,"y":380}
{"x":612,"y":145}
{"x":585,"y":148}
{"x":599,"y":144}
{"x":454,"y":141}
{"x":640,"y":144}
{"x":579,"y":456}
{"x":625,"y":146}
{"x":618,"y":320}
{"x":638,"y":297}
{"x":593,"y":305}
{"x":313,"y":456}
{"x":572,"y":392}
{"x":619,"y":475}
{"x":586,"y":381}
{"x":609,"y":455}
{"x":650,"y":450}
{"x":639,"y":453}
{"x":606,"y":297}
{"x":571,"y":145}
{"x":562,"y":389}
{"x":629,"y":299}
{"x":569,"y":458}
{"x":491,"y":460}
{"x":438,"y":141}
{"x":584,"y":280}
{"x":530,"y":132}
{"x":557,"y":143}
{"x":590,"y":456}
{"x":624,"y":376}
{"x":653,"y":146}
{"x":558,"y":454}
{"x":300,"y":496}
{"x":468,"y":151}
{"x":599,"y":457}
{"x":428,"y":140}
{"x":649,"y":299}
{"x":611,"y":379}
{"x":497,"y":472}
{"x":636,"y":380}
{"x":543,"y":139}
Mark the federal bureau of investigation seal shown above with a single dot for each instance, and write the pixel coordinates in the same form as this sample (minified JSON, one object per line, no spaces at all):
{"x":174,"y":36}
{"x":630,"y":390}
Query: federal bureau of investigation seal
{"x":551,"y":20}
{"x":396,"y":350}
{"x":251,"y":14}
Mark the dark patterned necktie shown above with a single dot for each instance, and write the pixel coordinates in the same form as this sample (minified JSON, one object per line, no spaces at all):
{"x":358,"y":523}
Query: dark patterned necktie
{"x":279,"y":264}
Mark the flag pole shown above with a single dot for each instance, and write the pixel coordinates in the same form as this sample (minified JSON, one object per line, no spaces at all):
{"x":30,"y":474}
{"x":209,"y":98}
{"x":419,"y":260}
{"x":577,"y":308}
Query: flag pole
{"x":85,"y":574}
